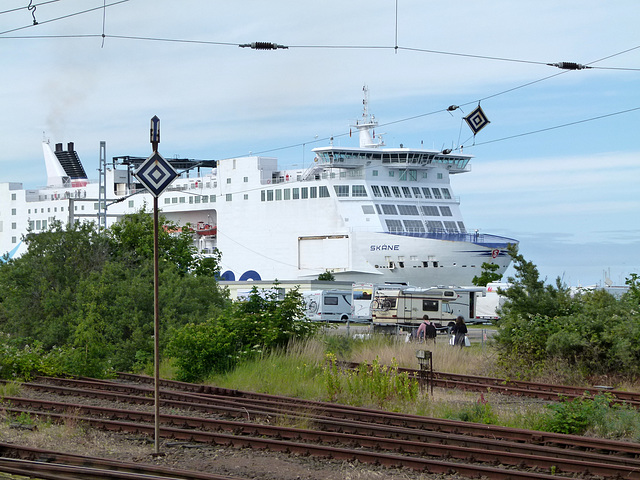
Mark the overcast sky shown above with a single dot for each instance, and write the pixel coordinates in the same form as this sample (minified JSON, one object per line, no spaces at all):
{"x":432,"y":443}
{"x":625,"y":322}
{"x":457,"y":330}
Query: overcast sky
{"x":570,"y":195}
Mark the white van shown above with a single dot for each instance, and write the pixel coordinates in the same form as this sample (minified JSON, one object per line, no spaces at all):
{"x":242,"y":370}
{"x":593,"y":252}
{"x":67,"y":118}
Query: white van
{"x":328,"y":305}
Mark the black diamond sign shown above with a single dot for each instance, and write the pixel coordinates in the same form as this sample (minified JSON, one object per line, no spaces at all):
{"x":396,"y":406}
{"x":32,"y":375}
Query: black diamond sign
{"x":156,"y":174}
{"x":477,"y":120}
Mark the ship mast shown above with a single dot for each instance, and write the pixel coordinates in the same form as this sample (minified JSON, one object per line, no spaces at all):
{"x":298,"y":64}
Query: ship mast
{"x":367,"y":124}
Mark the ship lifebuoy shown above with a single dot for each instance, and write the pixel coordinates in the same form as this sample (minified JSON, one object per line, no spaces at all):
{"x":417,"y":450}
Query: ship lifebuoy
{"x":287,"y":177}
{"x":268,"y":181}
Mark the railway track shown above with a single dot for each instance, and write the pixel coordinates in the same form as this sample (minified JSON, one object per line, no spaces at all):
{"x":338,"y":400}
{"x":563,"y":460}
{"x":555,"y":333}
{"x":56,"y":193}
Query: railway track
{"x":243,"y":419}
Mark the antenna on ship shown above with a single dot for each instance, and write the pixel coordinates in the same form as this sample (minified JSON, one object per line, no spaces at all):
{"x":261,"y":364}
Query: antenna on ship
{"x":366,"y":125}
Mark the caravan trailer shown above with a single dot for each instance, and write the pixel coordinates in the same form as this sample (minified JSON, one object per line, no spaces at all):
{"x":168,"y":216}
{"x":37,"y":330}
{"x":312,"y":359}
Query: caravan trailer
{"x":407,"y":306}
{"x":328,"y":305}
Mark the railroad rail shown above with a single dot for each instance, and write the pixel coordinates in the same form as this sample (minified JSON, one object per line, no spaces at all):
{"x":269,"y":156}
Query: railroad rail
{"x":369,"y":436}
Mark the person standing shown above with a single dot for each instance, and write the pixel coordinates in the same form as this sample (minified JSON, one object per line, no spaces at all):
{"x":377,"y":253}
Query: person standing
{"x":422,"y":329}
{"x":459,"y":332}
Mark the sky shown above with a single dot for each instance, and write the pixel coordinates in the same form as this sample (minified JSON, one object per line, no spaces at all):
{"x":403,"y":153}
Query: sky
{"x":558,"y":167}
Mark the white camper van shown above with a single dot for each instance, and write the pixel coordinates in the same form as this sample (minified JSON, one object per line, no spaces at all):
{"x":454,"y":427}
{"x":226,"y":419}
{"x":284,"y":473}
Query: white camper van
{"x":407,"y":306}
{"x":328,"y":305}
{"x":363,"y":295}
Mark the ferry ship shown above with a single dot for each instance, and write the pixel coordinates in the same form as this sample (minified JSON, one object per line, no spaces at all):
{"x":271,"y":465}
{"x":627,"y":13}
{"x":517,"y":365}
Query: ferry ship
{"x":366,"y":214}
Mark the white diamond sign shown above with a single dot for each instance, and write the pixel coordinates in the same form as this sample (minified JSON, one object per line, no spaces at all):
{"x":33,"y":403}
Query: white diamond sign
{"x":156,"y":174}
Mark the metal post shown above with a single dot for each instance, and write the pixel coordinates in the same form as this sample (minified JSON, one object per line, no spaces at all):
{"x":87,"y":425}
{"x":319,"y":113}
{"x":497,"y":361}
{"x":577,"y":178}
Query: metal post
{"x":156,"y":326}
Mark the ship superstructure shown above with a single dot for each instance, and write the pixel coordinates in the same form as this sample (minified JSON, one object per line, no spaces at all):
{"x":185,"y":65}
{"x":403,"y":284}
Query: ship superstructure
{"x":366,"y":214}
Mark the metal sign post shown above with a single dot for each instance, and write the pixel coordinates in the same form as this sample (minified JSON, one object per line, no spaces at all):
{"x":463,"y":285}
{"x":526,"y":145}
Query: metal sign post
{"x":156,"y":174}
{"x":425,"y":360}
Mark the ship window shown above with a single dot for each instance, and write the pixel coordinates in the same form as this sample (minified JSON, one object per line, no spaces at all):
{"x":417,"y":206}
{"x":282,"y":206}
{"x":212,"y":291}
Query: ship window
{"x":462,"y":227}
{"x":269,"y":195}
{"x":358,"y":191}
{"x":287,"y":194}
{"x":416,"y":192}
{"x":391,"y":173}
{"x":434,"y":226}
{"x":446,"y":212}
{"x":304,"y":192}
{"x":342,"y":190}
{"x":204,"y":199}
{"x":406,"y":191}
{"x":389,"y":209}
{"x":426,"y":192}
{"x":374,"y":173}
{"x":396,"y":192}
{"x":182,"y":200}
{"x":167,"y":200}
{"x":191,"y":200}
{"x":430,"y":210}
{"x":413,"y":175}
{"x":14,"y":225}
{"x":408,"y":210}
{"x":13,"y":196}
{"x":278,"y":194}
{"x":296,"y":193}
{"x":451,"y":227}
{"x":425,"y":264}
{"x":229,"y":197}
{"x":38,"y":224}
{"x":246,"y":196}
{"x":376,"y":190}
{"x":13,"y":240}
{"x":386,"y":191}
{"x":324,"y":192}
{"x":174,"y":199}
{"x":262,"y":195}
{"x":246,"y":179}
{"x":446,"y":194}
{"x":439,"y":176}
{"x":13,"y":211}
{"x":313,"y":192}
{"x":368,"y":209}
{"x":436,"y":193}
{"x":228,"y":180}
{"x":212,"y":198}
{"x":414,"y":226}
{"x":394,"y":225}
{"x":424,"y":174}
{"x":402,"y":176}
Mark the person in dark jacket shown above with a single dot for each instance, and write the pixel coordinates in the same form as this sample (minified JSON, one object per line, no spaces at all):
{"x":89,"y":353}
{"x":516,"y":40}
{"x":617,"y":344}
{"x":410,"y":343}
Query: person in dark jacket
{"x":459,"y":331}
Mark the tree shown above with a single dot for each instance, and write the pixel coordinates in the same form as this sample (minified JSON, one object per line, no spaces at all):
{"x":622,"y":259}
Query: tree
{"x":326,"y":276}
{"x":487,"y":275}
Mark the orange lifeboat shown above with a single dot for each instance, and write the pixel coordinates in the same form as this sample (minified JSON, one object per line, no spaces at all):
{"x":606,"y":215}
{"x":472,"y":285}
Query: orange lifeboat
{"x":206,"y":229}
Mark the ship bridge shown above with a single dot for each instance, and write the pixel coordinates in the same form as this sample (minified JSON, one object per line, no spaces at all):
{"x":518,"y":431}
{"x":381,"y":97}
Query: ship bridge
{"x":331,"y":157}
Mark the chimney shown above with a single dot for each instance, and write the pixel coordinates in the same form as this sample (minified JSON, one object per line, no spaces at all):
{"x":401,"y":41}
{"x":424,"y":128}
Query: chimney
{"x":70,"y":147}
{"x":58,"y":147}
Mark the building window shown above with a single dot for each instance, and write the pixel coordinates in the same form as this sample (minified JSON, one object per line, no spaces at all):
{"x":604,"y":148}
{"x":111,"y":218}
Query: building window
{"x":342,"y":190}
{"x":324,"y":192}
{"x":376,"y":190}
{"x":229,"y":197}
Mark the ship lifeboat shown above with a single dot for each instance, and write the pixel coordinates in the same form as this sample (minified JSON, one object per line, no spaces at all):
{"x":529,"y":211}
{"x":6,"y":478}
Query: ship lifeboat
{"x":206,"y":229}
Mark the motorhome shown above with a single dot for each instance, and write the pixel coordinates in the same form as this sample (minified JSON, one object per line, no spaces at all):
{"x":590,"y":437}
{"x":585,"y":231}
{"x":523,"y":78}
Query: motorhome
{"x":408,"y":306}
{"x":328,"y":305}
{"x":363,"y":295}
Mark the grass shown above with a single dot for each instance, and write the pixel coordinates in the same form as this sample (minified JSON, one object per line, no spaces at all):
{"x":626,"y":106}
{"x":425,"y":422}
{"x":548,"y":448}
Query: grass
{"x":302,"y":371}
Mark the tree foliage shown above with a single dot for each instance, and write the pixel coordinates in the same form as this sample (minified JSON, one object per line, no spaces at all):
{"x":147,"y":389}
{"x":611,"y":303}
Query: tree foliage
{"x":244,"y":330}
{"x":91,"y":292}
{"x":544,"y":325}
{"x":487,"y":275}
